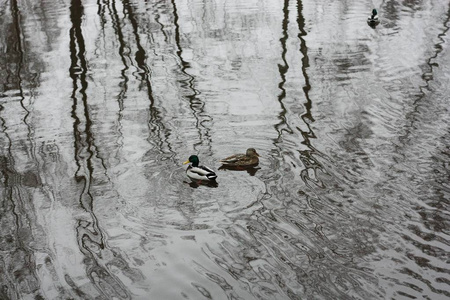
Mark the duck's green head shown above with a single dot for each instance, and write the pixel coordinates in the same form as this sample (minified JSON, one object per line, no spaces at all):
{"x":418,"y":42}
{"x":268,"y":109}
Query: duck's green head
{"x":192,"y":159}
{"x":374,"y":12}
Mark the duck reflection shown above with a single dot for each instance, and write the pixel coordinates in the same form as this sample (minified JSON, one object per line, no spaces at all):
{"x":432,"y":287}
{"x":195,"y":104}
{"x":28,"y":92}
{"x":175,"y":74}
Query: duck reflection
{"x":197,"y":184}
{"x":251,"y":170}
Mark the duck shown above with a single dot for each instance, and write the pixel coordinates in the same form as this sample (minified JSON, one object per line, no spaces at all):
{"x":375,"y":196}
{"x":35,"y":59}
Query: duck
{"x":373,"y":19}
{"x":199,"y":173}
{"x":249,"y":159}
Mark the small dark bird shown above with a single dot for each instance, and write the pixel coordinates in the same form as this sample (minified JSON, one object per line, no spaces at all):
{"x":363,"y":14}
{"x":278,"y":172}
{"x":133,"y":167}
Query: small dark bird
{"x":373,"y":19}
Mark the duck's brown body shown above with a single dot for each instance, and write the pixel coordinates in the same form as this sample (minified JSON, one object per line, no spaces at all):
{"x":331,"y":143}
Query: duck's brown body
{"x":249,"y":159}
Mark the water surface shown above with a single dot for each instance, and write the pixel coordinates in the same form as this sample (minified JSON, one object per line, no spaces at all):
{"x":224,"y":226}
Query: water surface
{"x":102,"y":101}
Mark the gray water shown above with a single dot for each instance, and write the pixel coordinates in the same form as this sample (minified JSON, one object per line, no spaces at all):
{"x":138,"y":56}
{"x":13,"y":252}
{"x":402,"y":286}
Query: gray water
{"x":102,"y":101}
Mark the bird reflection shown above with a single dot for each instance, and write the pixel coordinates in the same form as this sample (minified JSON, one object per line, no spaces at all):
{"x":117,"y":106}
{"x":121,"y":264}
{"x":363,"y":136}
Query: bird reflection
{"x":250,"y":170}
{"x":195,"y":184}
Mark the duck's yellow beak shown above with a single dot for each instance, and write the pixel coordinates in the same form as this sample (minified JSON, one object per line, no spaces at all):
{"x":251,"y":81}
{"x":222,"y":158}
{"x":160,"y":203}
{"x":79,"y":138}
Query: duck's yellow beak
{"x":186,"y":162}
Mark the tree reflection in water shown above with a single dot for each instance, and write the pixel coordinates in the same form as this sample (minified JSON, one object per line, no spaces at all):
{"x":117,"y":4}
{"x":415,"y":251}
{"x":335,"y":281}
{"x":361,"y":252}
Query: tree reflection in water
{"x":101,"y":100}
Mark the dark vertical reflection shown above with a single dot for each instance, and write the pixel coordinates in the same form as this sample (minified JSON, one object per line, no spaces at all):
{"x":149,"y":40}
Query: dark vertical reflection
{"x":20,"y":78}
{"x":18,"y":49}
{"x":101,"y":12}
{"x":82,"y":126}
{"x":155,"y":122}
{"x":196,"y":104}
{"x":124,"y":58}
{"x":13,"y":57}
{"x":283,"y":126}
{"x":433,"y":189}
{"x":17,"y":262}
{"x":283,"y":68}
{"x":427,"y":76}
{"x":306,"y":156}
{"x":32,"y":81}
{"x":89,"y":235}
{"x":161,"y":25}
{"x":305,"y":64}
{"x":309,"y":161}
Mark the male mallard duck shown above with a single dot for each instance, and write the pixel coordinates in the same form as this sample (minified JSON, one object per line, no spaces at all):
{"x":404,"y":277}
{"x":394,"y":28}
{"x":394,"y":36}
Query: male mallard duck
{"x":373,"y":19}
{"x":249,"y":159}
{"x":196,"y":172}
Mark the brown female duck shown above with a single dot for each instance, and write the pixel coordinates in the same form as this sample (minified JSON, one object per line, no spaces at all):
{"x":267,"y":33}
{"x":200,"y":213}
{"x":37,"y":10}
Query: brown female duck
{"x":249,"y":159}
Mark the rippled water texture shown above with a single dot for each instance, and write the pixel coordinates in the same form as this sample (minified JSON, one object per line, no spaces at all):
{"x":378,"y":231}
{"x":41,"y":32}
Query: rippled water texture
{"x":102,"y":101}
